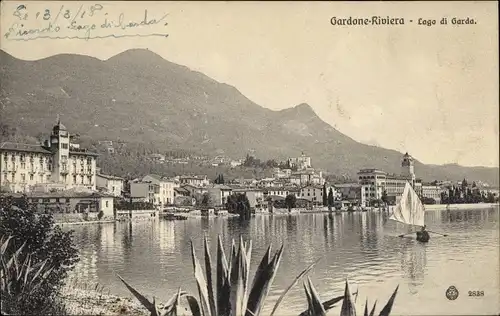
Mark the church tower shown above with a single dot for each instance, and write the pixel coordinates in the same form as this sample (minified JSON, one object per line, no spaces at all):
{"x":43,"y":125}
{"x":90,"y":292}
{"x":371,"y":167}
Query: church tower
{"x":59,"y":145}
{"x":408,"y":168}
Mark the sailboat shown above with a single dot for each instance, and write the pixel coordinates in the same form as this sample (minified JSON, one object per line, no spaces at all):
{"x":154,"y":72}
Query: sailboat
{"x":410,"y":211}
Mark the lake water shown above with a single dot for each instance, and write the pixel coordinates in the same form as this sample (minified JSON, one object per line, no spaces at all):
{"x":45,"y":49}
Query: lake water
{"x":154,"y":256}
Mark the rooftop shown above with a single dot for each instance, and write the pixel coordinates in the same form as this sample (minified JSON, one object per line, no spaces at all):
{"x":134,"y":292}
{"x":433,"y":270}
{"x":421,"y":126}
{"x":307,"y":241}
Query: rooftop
{"x":63,"y":194}
{"x":371,"y":170}
{"x":10,"y":146}
{"x":109,"y":177}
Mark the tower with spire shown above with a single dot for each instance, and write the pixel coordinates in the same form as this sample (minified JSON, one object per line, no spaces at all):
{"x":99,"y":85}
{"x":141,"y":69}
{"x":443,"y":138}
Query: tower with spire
{"x":59,"y":146}
{"x":408,"y":168}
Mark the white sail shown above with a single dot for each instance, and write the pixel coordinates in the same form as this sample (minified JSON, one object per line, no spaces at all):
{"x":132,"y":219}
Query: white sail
{"x":410,"y":209}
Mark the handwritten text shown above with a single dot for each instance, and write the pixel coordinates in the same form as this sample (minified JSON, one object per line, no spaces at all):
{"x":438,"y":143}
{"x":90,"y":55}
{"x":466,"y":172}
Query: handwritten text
{"x":88,"y":22}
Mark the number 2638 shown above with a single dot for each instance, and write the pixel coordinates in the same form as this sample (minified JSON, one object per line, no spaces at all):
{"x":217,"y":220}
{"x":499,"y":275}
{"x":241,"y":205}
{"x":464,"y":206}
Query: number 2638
{"x":476,"y":293}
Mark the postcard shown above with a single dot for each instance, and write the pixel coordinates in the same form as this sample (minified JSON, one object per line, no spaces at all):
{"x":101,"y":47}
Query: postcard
{"x":249,"y":158}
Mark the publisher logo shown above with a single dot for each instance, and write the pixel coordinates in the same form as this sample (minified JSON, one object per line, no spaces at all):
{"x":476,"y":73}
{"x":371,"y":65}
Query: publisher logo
{"x":452,"y":293}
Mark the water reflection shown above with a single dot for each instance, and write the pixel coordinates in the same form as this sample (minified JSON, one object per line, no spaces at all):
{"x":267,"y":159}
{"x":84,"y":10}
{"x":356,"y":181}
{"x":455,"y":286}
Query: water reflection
{"x":413,"y":263}
{"x":156,"y":257}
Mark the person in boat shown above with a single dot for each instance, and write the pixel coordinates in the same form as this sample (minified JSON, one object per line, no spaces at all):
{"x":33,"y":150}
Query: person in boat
{"x":423,"y":235}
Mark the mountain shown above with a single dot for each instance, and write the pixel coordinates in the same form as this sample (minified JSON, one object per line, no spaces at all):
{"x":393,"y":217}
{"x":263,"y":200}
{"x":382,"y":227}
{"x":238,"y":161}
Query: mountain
{"x":137,"y":96}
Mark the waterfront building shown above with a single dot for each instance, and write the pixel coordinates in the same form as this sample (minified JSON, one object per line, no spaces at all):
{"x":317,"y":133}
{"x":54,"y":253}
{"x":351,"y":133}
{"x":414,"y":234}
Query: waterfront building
{"x":70,"y":201}
{"x":349,"y":191}
{"x":314,"y":193}
{"x":374,"y":182}
{"x":57,"y":161}
{"x":110,"y":184}
{"x":145,"y":192}
{"x":166,"y":189}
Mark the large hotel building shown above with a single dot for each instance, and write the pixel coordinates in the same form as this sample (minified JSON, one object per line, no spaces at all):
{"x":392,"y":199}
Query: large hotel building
{"x":374,"y":182}
{"x":58,"y":164}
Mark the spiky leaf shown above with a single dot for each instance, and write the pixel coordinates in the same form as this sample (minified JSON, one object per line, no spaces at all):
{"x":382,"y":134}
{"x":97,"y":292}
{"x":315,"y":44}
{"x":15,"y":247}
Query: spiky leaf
{"x":316,"y":305}
{"x":201,"y":283}
{"x":388,"y":307}
{"x":263,"y":280}
{"x":141,"y":298}
{"x":193,"y":305}
{"x":372,"y":312}
{"x":348,"y":308}
{"x":223,"y":290}
{"x":282,"y":296}
{"x":208,"y":270}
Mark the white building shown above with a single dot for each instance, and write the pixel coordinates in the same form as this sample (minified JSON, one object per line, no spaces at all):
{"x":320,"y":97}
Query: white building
{"x":57,"y":161}
{"x":374,"y":182}
{"x":314,"y":193}
{"x":166,"y":192}
{"x":110,"y":184}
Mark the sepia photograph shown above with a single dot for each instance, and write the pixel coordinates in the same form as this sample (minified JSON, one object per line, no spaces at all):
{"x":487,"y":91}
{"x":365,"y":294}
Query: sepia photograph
{"x":249,"y":158}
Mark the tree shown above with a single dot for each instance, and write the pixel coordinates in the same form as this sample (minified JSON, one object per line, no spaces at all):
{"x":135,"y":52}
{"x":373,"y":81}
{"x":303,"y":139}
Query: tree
{"x":384,"y":197}
{"x":464,"y":183}
{"x":219,"y":179}
{"x":290,"y":201}
{"x":43,"y":241}
{"x":325,"y":195}
{"x":238,"y":204}
{"x":207,"y":200}
{"x":330,"y":198}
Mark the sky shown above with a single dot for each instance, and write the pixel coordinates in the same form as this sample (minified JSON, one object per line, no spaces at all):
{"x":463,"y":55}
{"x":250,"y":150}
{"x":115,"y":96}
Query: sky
{"x":431,"y":91}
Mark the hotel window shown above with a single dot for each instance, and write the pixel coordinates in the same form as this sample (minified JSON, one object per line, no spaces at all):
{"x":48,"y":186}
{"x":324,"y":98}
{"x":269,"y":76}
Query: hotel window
{"x":5,"y":157}
{"x":13,"y":177}
{"x":64,"y":146}
{"x":74,"y":179}
{"x":31,"y":177}
{"x":106,"y":203}
{"x":47,"y":178}
{"x":89,"y":161}
{"x":23,"y":177}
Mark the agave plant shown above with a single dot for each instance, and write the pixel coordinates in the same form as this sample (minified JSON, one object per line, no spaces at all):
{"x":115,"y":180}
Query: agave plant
{"x":316,"y":308}
{"x":233,"y":296}
{"x":19,"y":278}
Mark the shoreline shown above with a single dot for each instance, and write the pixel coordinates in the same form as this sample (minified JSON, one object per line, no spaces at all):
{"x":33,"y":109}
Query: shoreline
{"x":454,"y":207}
{"x":83,"y":223}
{"x":428,"y":208}
{"x":84,"y":301}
